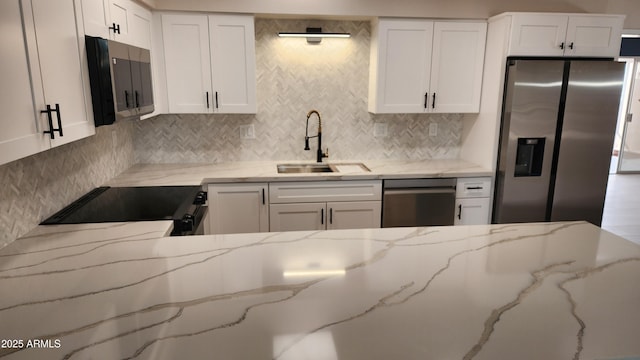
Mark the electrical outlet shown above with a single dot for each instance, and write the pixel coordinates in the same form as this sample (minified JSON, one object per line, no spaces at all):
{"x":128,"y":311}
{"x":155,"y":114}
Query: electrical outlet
{"x":433,"y":129}
{"x":247,"y":132}
{"x":380,"y":130}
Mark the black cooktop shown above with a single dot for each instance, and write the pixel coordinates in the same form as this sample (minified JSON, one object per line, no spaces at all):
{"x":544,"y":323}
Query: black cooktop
{"x":118,"y":204}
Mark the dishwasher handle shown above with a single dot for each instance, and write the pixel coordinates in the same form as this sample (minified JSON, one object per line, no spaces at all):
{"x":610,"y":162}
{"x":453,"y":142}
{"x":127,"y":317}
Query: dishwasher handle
{"x":446,"y":190}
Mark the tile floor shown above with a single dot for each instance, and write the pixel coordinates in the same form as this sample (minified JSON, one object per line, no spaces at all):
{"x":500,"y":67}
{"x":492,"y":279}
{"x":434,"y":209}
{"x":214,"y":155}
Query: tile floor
{"x":622,"y":206}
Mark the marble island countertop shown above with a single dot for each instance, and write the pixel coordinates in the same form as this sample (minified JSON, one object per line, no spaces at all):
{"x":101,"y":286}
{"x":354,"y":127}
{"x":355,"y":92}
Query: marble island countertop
{"x":265,"y":171}
{"x":123,"y":291}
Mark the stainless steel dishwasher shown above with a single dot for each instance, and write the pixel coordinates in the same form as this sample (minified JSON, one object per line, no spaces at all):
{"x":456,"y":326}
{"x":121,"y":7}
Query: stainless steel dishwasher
{"x":418,"y":202}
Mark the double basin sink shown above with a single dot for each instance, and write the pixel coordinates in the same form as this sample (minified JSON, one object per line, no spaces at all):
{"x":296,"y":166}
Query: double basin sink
{"x":321,"y":168}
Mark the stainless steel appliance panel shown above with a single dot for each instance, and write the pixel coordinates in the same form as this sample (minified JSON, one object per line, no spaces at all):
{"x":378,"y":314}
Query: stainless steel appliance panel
{"x":418,"y":202}
{"x":120,"y":78}
{"x":529,"y":123}
{"x":589,"y":123}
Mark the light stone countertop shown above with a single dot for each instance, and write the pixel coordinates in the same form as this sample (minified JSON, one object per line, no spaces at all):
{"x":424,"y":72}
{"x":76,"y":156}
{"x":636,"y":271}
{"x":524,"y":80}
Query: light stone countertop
{"x":266,"y":171}
{"x":123,"y":291}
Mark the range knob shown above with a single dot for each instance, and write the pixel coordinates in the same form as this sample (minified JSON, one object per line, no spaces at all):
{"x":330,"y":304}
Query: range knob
{"x":201,"y":198}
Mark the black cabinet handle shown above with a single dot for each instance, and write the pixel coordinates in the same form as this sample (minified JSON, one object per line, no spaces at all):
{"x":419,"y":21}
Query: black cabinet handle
{"x":116,"y":28}
{"x":137,"y":98}
{"x":216,"y":99}
{"x":474,"y":188}
{"x":571,"y":46}
{"x":51,"y":130}
{"x":322,"y":216}
{"x":263,"y":199}
{"x":562,"y":46}
{"x":433,"y":103}
{"x":126,"y":99}
{"x":460,"y":212}
{"x":331,"y":216}
{"x":207,"y":99}
{"x":426,"y":99}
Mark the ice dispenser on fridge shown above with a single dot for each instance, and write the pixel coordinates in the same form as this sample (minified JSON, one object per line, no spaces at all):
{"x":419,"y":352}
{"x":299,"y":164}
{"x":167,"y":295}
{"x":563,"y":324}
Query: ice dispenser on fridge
{"x":529,"y":157}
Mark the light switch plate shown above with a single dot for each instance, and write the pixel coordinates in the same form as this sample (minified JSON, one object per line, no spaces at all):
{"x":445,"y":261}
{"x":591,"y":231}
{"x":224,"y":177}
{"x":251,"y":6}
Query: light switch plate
{"x":380,"y":129}
{"x":433,"y":129}
{"x":247,"y":132}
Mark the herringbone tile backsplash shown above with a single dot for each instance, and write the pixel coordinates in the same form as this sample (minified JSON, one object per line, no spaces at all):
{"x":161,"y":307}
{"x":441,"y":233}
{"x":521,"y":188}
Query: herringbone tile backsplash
{"x":35,"y":187}
{"x":293,"y":78}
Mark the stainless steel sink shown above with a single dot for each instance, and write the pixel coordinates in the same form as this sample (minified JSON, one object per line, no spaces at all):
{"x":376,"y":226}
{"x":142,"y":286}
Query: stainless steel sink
{"x":304,"y":168}
{"x":319,"y":168}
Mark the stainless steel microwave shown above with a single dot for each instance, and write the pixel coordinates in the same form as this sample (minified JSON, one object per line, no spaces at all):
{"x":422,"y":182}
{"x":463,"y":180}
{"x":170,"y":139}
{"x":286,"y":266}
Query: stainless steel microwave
{"x":120,"y":77}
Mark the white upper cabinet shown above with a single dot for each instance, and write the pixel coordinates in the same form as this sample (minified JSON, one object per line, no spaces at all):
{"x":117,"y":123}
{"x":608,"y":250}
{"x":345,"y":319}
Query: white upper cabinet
{"x":187,"y":62}
{"x":233,"y":63}
{"x":400,"y":66}
{"x":594,"y":35}
{"x":583,"y":35}
{"x":456,"y":68}
{"x":95,"y":14}
{"x":210,"y":63}
{"x":420,"y":66}
{"x":120,"y":20}
{"x":47,"y":103}
{"x":20,"y":135}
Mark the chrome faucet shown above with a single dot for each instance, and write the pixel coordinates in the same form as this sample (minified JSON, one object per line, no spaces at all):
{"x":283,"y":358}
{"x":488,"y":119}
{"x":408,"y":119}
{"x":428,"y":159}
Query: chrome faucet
{"x":320,"y":153}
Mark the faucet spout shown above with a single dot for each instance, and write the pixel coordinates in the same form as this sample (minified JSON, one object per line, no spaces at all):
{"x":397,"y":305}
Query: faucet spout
{"x":320,"y":154}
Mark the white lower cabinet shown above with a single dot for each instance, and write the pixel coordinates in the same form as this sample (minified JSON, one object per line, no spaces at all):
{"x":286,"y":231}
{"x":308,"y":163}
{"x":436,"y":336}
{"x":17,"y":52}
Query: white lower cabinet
{"x":354,"y":215}
{"x":238,"y":208}
{"x":473,"y":201}
{"x":473,"y":211}
{"x":321,"y":216}
{"x":320,"y":205}
{"x":297,"y":217}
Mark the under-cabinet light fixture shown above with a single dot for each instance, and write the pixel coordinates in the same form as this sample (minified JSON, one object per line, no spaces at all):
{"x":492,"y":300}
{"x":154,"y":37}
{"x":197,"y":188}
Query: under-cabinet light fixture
{"x":314,"y":35}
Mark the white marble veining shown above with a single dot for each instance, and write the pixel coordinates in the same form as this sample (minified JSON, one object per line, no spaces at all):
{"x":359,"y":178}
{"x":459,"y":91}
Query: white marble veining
{"x":527,"y":291}
{"x":254,"y":171}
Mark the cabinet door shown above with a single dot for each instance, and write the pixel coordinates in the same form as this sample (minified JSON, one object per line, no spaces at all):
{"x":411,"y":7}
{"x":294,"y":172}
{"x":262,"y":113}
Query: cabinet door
{"x":457,"y":64}
{"x":140,"y":26}
{"x":95,"y":14}
{"x":58,"y":68}
{"x":401,"y":62}
{"x":119,"y":13}
{"x":20,"y":135}
{"x":594,"y":36}
{"x":188,"y":67}
{"x":472,"y":211}
{"x":232,"y":39}
{"x":538,"y":35}
{"x":238,"y":208}
{"x":297,"y":217}
{"x":354,"y":215}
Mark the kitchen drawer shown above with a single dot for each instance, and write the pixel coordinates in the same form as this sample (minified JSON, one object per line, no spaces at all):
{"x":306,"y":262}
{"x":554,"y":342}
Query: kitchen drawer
{"x":322,"y":191}
{"x":473,"y":187}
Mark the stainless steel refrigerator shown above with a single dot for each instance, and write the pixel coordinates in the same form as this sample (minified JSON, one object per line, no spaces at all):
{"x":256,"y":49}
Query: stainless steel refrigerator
{"x":556,"y":138}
